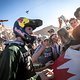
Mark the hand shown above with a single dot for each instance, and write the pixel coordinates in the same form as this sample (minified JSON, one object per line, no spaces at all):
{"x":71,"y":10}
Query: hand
{"x":50,"y":73}
{"x":47,"y":74}
{"x":43,"y":76}
{"x":60,"y":22}
{"x":49,"y":63}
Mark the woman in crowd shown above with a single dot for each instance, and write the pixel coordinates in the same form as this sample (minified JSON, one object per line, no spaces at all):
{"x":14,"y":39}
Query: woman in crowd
{"x":66,"y":39}
{"x":56,"y":48}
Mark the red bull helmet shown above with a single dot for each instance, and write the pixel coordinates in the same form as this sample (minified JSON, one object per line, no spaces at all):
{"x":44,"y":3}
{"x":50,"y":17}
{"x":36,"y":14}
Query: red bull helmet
{"x":20,"y":25}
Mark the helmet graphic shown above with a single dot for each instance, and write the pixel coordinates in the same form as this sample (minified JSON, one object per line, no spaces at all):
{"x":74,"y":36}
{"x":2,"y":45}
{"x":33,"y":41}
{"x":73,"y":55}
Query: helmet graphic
{"x":20,"y":25}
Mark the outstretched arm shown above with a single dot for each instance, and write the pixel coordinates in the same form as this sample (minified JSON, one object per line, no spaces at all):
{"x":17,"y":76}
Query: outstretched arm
{"x":75,"y":46}
{"x":37,"y":53}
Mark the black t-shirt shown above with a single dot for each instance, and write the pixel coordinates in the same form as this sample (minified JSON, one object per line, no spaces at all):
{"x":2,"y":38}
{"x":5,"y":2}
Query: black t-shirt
{"x":17,"y":65}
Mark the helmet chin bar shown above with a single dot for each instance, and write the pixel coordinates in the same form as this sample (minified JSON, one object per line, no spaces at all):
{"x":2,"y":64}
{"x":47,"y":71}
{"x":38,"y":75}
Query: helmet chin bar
{"x":29,"y":39}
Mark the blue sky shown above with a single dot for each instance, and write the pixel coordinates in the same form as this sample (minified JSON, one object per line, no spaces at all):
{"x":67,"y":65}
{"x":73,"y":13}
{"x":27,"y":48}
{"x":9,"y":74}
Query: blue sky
{"x":47,"y":10}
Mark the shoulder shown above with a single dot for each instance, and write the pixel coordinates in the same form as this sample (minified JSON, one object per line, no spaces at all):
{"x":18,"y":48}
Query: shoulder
{"x":13,"y":45}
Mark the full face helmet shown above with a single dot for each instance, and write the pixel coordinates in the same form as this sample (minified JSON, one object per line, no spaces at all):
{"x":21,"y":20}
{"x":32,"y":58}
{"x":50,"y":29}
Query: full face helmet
{"x":20,"y":25}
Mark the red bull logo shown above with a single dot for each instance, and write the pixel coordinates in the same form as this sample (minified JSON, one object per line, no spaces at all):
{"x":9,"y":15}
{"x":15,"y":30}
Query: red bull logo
{"x":22,"y":22}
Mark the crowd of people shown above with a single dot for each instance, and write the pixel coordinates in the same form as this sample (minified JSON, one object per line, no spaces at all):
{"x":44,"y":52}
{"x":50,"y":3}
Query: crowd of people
{"x":28,"y":54}
{"x":5,"y":35}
